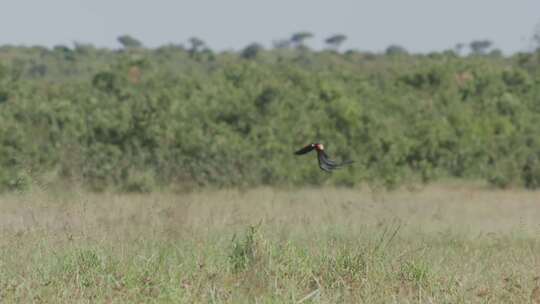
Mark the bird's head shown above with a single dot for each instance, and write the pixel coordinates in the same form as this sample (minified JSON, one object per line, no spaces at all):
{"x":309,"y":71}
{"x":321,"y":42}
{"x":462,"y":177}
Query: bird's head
{"x":318,"y":147}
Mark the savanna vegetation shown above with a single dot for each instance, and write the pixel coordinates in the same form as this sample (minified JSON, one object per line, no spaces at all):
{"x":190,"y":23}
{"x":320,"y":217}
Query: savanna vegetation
{"x":136,"y":118}
{"x":233,"y":216}
{"x":444,"y":244}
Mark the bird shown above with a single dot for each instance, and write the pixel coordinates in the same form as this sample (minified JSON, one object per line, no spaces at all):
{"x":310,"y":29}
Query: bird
{"x":325,"y":163}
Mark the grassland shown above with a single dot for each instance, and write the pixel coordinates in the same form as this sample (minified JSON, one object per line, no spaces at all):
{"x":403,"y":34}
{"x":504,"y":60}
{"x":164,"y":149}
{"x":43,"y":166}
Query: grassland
{"x":440,"y":244}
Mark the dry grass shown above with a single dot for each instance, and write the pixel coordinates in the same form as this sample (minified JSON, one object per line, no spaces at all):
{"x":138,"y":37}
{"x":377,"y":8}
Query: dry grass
{"x":442,"y":244}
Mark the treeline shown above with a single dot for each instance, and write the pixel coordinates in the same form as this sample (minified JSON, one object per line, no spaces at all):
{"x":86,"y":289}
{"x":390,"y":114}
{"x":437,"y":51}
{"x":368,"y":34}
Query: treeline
{"x":138,"y":119}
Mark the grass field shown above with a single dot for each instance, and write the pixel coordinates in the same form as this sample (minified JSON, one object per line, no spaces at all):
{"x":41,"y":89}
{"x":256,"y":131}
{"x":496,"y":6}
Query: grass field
{"x":441,"y":244}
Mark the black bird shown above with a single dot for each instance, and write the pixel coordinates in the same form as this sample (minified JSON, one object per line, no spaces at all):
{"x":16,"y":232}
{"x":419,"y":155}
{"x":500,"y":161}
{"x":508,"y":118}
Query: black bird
{"x":325,"y":163}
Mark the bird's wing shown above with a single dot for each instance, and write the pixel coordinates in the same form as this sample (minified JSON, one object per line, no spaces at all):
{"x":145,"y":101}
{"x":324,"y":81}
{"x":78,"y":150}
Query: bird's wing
{"x":305,"y":150}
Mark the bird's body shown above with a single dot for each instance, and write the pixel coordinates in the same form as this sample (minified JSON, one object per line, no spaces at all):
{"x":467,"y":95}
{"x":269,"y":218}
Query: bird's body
{"x":325,"y":163}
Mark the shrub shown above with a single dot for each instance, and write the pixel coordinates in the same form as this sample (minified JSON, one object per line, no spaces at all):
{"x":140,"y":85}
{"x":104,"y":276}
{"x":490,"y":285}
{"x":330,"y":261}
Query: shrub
{"x":133,"y":120}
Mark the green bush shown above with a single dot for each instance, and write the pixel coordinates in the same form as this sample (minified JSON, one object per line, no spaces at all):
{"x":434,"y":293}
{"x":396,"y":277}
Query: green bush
{"x":142,"y":119}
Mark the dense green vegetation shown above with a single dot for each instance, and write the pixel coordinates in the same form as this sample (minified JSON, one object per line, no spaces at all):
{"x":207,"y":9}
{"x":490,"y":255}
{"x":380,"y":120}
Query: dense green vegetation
{"x":137,"y":118}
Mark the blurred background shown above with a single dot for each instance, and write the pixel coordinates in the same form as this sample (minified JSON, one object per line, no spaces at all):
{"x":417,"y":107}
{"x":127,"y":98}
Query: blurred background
{"x":140,"y":96}
{"x":418,"y":25}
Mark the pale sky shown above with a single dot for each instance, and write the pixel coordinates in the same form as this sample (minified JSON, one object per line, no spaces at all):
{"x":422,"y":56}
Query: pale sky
{"x":417,"y":25}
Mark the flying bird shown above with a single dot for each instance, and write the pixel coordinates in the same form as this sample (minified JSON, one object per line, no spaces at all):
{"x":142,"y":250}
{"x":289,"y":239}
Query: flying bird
{"x":325,"y":163}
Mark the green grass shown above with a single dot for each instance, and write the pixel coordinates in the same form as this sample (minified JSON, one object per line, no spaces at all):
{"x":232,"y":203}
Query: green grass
{"x":442,"y":244}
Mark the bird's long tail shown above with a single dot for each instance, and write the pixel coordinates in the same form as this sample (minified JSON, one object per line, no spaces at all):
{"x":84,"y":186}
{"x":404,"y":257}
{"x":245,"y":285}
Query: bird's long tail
{"x":328,"y":165}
